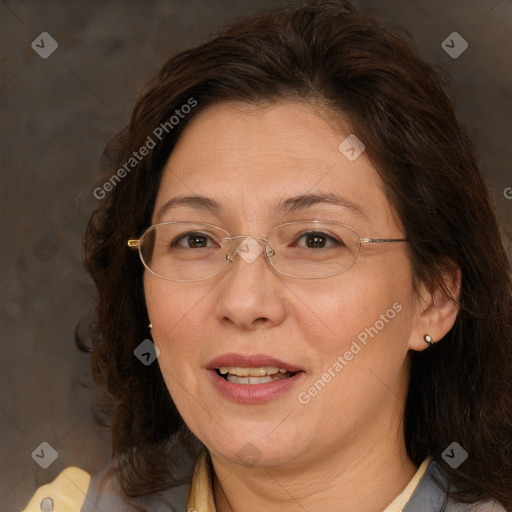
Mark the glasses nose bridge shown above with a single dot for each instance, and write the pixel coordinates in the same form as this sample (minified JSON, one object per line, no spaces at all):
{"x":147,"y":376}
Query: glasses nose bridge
{"x":249,"y":249}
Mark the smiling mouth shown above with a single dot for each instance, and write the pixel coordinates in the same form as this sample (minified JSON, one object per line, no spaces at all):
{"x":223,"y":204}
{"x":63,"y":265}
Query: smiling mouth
{"x":256,"y":375}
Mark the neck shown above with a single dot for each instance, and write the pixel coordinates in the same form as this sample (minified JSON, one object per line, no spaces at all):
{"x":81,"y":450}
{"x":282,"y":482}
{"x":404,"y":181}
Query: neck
{"x":362,"y":478}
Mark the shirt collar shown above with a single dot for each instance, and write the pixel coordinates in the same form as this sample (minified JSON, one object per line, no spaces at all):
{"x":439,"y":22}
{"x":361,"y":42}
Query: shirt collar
{"x":200,"y":498}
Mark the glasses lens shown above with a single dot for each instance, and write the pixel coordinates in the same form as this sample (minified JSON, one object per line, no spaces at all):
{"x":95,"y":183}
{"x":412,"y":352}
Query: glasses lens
{"x":183,"y":251}
{"x":313,"y":249}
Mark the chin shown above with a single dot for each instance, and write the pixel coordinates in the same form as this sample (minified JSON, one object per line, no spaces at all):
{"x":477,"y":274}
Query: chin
{"x":250,"y":447}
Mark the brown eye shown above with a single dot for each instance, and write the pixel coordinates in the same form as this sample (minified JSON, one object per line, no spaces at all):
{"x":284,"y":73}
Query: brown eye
{"x":315,"y":241}
{"x":197,"y":241}
{"x":318,"y":240}
{"x":192,"y":241}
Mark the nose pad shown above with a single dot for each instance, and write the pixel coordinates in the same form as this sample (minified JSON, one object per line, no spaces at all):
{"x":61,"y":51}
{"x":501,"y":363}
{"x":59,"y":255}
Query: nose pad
{"x":249,"y":249}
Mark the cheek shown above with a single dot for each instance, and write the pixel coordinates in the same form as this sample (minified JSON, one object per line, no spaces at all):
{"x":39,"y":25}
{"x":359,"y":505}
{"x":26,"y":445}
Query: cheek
{"x":369,"y":302}
{"x":174,"y":312}
{"x":171,"y":305}
{"x":356,"y":329}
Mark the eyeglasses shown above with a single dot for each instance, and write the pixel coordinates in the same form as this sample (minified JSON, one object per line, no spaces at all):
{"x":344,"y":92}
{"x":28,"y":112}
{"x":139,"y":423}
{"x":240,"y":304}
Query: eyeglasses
{"x":193,"y":251}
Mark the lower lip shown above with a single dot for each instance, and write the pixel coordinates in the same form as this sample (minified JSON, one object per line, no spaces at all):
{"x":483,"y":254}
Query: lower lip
{"x":253,"y":393}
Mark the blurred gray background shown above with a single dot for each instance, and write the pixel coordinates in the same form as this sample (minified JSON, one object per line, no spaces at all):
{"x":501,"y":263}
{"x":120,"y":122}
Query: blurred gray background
{"x":57,"y":114}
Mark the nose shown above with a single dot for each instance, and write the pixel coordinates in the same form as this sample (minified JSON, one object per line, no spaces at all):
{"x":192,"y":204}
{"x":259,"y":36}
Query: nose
{"x":250,"y":294}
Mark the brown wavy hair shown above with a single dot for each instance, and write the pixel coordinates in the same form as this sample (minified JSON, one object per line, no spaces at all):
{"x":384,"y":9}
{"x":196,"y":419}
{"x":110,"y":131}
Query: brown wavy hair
{"x":401,"y":107}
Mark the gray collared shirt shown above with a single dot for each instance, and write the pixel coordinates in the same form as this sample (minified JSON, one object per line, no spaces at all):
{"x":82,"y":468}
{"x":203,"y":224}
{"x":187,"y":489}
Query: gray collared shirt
{"x":103,"y":496}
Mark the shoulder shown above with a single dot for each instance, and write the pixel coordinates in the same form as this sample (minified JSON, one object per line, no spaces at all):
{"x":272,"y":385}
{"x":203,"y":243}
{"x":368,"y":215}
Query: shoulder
{"x":483,"y":506}
{"x":104,"y":493}
{"x":75,"y":490}
{"x":429,"y":496}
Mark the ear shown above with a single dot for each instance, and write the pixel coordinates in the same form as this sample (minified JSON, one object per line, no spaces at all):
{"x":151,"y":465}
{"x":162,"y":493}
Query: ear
{"x":435,"y":311}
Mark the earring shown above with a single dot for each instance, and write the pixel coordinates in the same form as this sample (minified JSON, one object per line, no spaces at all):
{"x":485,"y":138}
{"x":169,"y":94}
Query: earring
{"x":150,"y":326}
{"x":428,"y":339}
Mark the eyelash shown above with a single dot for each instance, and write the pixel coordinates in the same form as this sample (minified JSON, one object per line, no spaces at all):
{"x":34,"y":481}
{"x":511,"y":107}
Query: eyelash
{"x":175,"y":242}
{"x":188,"y":235}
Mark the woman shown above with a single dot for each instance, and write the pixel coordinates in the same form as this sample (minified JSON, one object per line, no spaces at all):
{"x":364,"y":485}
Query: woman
{"x":320,"y":316}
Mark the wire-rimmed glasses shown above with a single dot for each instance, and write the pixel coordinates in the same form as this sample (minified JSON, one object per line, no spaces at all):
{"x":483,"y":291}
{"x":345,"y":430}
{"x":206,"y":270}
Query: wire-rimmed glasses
{"x":194,"y":251}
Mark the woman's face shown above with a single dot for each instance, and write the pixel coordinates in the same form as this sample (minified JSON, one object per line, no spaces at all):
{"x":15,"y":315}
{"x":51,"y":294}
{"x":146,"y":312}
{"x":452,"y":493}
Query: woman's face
{"x":345,"y":338}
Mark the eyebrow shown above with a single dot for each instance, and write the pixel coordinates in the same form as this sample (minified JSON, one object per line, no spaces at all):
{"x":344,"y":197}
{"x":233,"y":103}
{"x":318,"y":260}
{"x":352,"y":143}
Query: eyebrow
{"x":198,"y":202}
{"x":291,"y":204}
{"x":307,"y":200}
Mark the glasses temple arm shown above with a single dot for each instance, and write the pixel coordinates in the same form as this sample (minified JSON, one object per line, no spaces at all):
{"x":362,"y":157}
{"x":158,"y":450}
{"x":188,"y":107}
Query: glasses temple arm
{"x":381,"y":240}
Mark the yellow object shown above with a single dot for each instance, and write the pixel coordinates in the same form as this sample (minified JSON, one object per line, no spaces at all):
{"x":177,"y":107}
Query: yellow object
{"x":200,"y":496}
{"x":65,"y":494}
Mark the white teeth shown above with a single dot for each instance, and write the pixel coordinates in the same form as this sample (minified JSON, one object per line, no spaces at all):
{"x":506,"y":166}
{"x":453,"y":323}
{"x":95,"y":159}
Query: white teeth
{"x":255,"y":380}
{"x":262,"y":371}
{"x":259,"y":375}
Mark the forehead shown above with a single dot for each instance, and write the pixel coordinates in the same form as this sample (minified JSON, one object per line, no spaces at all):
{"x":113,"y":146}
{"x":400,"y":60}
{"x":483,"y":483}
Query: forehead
{"x":250,"y":158}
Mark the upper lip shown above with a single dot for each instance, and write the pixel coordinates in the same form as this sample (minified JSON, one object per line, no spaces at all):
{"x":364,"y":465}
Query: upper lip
{"x":250,"y":361}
